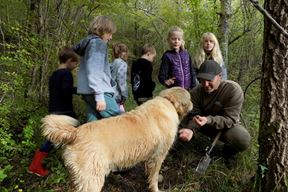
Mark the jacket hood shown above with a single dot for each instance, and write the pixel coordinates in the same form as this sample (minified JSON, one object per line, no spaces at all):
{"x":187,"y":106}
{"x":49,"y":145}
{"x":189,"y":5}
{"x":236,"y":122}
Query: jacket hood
{"x":81,"y":46}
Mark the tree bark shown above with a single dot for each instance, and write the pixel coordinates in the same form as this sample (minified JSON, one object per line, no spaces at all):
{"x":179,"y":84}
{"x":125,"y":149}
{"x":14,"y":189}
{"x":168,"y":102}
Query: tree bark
{"x":226,"y":12}
{"x":273,"y":133}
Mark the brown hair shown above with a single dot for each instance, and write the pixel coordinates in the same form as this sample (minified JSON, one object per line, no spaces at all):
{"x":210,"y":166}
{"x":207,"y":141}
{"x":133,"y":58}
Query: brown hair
{"x":148,"y":48}
{"x":100,"y":25}
{"x":66,"y":53}
{"x":119,"y":49}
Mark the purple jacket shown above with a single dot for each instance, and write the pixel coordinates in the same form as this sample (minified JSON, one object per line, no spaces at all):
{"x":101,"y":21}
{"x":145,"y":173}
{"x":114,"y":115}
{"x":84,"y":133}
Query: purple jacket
{"x":179,"y":65}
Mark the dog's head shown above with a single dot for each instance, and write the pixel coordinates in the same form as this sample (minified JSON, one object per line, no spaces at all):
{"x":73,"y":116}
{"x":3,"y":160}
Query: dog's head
{"x":180,"y":98}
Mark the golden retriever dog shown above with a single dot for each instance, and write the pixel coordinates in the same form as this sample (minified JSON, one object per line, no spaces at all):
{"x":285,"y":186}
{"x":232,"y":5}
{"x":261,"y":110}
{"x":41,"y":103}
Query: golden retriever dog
{"x":144,"y":134}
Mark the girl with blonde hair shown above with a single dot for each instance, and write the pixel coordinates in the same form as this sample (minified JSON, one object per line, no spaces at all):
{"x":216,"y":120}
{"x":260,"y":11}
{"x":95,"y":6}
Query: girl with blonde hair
{"x":209,"y":49}
{"x":176,"y":64}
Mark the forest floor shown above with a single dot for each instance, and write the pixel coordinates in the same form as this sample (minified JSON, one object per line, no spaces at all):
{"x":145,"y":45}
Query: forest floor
{"x":178,"y":171}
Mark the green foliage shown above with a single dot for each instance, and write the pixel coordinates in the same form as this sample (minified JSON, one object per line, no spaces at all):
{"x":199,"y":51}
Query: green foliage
{"x":3,"y":172}
{"x":32,"y":129}
{"x":263,"y":170}
{"x":30,"y":40}
{"x":17,"y":104}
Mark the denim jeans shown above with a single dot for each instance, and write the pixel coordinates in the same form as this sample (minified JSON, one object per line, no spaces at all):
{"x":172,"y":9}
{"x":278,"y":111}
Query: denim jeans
{"x":112,"y":108}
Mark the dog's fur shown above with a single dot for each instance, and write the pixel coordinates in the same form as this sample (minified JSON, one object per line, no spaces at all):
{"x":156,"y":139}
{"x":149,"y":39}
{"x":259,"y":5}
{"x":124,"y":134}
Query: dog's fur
{"x":145,"y":134}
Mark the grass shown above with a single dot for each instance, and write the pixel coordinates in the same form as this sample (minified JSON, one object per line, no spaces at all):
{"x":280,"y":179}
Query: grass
{"x":178,"y":168}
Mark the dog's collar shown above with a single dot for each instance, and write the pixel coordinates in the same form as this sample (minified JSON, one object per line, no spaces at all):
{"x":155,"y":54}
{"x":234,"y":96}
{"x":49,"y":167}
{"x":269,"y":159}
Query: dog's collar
{"x":168,"y":100}
{"x":173,"y":103}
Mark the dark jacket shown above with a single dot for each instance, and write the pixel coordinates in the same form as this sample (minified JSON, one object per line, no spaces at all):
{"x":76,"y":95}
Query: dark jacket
{"x":222,"y":107}
{"x":141,"y":78}
{"x":178,"y":65}
{"x":60,"y":92}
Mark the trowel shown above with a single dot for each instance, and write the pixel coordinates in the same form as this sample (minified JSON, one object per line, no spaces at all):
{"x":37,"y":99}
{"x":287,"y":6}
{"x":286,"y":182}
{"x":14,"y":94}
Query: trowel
{"x":205,"y":160}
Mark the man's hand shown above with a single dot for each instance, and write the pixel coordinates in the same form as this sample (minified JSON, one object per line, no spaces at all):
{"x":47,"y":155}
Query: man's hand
{"x":185,"y":134}
{"x":100,"y":105}
{"x":199,"y":120}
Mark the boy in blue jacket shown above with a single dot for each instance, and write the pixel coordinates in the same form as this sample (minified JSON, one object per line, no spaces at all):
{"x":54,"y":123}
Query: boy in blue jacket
{"x":94,"y":81}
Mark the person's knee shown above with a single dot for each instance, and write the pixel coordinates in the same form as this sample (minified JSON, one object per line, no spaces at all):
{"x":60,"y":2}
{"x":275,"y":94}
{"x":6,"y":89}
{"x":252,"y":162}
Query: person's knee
{"x":244,"y":142}
{"x":239,"y":138}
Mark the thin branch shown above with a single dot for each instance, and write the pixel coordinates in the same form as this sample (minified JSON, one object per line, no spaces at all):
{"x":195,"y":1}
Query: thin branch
{"x":2,"y":33}
{"x":146,"y":12}
{"x":2,"y":98}
{"x":156,"y":29}
{"x":239,"y":36}
{"x":265,"y":13}
{"x":93,"y":9}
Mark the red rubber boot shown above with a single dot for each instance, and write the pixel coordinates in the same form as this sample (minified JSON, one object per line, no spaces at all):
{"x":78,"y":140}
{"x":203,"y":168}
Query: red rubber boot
{"x":36,"y":166}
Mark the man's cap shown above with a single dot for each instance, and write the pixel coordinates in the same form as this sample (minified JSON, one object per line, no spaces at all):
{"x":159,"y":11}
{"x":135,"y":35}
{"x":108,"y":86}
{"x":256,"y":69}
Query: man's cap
{"x":208,"y":70}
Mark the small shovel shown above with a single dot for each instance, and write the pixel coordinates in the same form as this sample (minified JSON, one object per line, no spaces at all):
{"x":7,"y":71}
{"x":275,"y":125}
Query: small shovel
{"x":205,"y":161}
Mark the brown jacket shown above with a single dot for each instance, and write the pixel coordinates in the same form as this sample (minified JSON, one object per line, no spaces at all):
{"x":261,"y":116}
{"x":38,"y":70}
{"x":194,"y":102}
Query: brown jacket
{"x":221,"y":107}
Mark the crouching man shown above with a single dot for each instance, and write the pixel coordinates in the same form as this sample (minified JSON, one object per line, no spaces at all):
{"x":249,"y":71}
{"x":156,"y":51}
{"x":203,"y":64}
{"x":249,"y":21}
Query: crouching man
{"x":217,"y":106}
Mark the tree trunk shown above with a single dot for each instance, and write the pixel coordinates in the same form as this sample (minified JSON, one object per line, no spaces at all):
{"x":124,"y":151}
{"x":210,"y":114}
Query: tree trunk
{"x":226,"y":12}
{"x":273,"y":133}
{"x":36,"y":26}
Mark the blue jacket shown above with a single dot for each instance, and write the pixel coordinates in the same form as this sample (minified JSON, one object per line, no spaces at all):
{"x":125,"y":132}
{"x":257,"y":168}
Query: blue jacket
{"x":94,"y":76}
{"x":119,"y":75}
{"x":178,"y":65}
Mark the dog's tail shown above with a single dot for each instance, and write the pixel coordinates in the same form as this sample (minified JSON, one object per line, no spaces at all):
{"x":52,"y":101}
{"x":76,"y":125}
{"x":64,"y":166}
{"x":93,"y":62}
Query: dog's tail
{"x":59,"y":129}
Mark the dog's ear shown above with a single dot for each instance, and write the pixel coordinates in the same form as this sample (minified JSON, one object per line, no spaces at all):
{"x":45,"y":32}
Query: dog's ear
{"x":180,"y":98}
{"x":178,"y":106}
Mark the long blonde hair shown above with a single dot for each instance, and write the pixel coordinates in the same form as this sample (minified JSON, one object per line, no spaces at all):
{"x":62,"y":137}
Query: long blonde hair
{"x":215,"y":54}
{"x":172,"y":31}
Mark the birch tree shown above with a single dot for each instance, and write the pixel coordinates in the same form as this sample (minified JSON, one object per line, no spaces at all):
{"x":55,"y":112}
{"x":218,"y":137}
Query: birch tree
{"x":273,"y":133}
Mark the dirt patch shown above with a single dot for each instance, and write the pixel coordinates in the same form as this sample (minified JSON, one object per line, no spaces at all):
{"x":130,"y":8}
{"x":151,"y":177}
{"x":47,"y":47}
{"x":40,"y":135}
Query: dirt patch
{"x":180,"y":162}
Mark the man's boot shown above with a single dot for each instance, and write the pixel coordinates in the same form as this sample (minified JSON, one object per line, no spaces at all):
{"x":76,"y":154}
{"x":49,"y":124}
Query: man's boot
{"x":229,"y":156}
{"x":36,"y":166}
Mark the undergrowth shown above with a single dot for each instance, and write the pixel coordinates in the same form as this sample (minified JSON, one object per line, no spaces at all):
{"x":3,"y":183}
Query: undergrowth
{"x":19,"y":143}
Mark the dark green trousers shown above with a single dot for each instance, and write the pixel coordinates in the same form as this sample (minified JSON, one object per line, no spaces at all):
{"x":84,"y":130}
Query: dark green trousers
{"x":236,"y":139}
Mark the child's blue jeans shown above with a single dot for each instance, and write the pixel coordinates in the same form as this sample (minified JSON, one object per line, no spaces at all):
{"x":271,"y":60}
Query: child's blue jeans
{"x":112,"y":108}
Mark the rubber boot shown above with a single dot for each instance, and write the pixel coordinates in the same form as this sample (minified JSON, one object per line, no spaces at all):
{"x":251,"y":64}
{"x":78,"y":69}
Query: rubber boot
{"x":36,"y":166}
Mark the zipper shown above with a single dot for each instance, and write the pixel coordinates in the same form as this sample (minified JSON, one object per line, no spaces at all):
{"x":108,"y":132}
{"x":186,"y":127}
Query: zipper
{"x":182,"y":72}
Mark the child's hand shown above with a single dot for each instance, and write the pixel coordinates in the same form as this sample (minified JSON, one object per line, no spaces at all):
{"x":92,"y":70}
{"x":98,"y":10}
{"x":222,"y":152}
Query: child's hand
{"x":170,"y":81}
{"x":100,"y":106}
